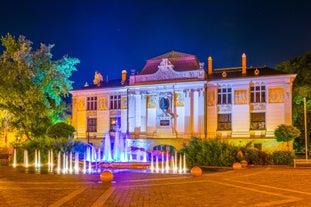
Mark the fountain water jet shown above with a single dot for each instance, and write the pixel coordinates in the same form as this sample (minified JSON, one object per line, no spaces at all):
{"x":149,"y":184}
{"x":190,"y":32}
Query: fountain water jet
{"x":25,"y":158}
{"x":107,"y":148}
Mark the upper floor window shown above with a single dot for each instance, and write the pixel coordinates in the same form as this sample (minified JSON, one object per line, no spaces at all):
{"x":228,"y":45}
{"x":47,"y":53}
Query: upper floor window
{"x":91,"y":124}
{"x":92,"y":103}
{"x":258,"y":93}
{"x":115,"y":102}
{"x":224,"y":95}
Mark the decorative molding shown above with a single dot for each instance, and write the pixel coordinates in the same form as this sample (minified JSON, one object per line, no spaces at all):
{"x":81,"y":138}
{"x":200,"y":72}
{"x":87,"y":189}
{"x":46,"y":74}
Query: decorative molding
{"x":179,"y":99}
{"x":124,"y":102}
{"x":210,"y":98}
{"x":103,"y":103}
{"x":166,"y":72}
{"x":226,"y":108}
{"x":240,"y":97}
{"x":224,"y":74}
{"x":276,"y":95}
{"x":151,"y":101}
{"x":257,"y":106}
{"x":81,"y":103}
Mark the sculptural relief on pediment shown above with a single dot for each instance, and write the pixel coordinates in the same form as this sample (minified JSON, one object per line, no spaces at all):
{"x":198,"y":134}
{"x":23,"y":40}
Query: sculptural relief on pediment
{"x":166,"y":72}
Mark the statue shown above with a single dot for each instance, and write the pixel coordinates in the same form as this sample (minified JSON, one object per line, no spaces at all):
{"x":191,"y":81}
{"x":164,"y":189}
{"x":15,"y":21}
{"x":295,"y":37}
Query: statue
{"x":98,"y":78}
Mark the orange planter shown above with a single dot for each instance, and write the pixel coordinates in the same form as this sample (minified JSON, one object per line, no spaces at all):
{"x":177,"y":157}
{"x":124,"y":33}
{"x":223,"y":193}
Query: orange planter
{"x":106,"y":176}
{"x":196,"y":171}
{"x":237,"y":166}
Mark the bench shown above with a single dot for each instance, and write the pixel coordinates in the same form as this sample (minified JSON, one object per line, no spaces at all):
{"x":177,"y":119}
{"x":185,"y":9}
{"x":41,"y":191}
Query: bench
{"x":302,"y":163}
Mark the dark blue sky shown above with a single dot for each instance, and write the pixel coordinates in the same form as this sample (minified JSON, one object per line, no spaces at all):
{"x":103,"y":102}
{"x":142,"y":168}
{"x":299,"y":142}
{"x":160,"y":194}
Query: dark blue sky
{"x":109,"y":36}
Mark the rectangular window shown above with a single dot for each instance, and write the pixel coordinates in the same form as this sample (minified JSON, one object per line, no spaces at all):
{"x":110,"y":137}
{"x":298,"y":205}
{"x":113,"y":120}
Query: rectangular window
{"x":115,"y":102}
{"x":91,"y":125}
{"x":91,"y":103}
{"x":224,"y":121}
{"x":224,"y":95}
{"x":258,"y":94}
{"x":258,"y":121}
{"x":115,"y":123}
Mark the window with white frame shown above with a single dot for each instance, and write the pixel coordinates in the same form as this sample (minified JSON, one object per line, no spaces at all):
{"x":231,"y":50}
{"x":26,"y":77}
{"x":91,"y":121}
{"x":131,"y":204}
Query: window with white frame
{"x":224,"y":122}
{"x":115,"y":102}
{"x":224,"y":95}
{"x":91,"y":124}
{"x":258,"y":121}
{"x":258,"y":93}
{"x":91,"y":103}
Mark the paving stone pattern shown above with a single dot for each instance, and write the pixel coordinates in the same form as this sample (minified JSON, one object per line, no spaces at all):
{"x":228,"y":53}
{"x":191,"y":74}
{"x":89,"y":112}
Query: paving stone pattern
{"x":252,"y":186}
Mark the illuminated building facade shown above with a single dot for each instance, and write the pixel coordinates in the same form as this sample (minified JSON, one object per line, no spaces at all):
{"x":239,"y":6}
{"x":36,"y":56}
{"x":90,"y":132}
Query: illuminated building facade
{"x":174,"y":98}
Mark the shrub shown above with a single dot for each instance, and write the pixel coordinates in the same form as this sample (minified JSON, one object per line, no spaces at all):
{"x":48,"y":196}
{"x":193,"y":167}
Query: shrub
{"x":282,"y":157}
{"x":206,"y":152}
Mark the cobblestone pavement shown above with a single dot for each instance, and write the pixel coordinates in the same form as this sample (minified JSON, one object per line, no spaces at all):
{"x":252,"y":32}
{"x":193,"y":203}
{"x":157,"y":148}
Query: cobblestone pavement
{"x":255,"y":186}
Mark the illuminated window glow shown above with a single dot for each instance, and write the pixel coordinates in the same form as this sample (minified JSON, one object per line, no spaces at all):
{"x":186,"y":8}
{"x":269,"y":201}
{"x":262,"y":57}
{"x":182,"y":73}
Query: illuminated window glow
{"x":115,"y":123}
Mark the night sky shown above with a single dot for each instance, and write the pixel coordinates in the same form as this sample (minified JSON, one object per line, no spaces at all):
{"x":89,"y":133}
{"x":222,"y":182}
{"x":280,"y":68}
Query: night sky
{"x":110,"y":36}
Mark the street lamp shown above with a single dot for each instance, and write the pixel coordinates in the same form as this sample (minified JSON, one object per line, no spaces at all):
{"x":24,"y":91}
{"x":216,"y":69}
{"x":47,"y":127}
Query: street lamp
{"x":88,"y":130}
{"x":306,"y":129}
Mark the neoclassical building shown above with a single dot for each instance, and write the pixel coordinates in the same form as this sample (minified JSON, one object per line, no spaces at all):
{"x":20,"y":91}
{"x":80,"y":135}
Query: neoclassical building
{"x":175,"y":97}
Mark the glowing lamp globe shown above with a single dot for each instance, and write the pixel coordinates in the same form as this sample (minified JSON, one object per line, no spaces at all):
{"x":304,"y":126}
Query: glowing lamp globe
{"x":196,"y":171}
{"x":236,"y":166}
{"x":106,"y":176}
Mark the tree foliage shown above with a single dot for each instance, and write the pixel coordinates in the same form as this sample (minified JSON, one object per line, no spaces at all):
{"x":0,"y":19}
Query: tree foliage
{"x":60,"y":130}
{"x":301,"y":88}
{"x":32,"y":85}
{"x":286,"y":133}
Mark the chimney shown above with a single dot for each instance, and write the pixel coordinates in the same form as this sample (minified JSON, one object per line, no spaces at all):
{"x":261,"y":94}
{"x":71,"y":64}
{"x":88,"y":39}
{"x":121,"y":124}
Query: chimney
{"x":243,"y":64}
{"x":123,"y":80}
{"x":210,"y":65}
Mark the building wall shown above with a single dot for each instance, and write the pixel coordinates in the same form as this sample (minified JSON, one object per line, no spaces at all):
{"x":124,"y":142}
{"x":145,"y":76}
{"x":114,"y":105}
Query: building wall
{"x":192,"y":112}
{"x":276,"y":109}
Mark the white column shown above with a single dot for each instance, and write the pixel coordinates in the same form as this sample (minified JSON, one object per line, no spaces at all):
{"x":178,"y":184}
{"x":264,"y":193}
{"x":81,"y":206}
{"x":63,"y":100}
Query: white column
{"x":201,"y":109}
{"x":195,"y":111}
{"x":143,"y":113}
{"x":137,"y":113}
{"x":131,"y":112}
{"x":187,"y":121}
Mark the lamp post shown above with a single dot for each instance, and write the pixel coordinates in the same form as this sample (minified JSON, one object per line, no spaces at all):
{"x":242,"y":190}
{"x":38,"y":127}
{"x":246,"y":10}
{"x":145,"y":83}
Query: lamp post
{"x":305,"y":122}
{"x":88,"y":130}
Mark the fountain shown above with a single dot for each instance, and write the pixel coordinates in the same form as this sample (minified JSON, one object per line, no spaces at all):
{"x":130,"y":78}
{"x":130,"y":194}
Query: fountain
{"x":121,"y":155}
{"x":175,"y":167}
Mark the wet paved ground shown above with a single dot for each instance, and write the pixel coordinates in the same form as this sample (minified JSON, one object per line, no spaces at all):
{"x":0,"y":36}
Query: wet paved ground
{"x":255,"y":186}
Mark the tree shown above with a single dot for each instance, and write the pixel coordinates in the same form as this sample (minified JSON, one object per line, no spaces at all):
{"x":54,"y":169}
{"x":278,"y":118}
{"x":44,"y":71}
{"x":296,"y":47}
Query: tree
{"x":60,"y":130}
{"x":301,"y":88}
{"x":286,"y":133}
{"x":32,"y":85}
